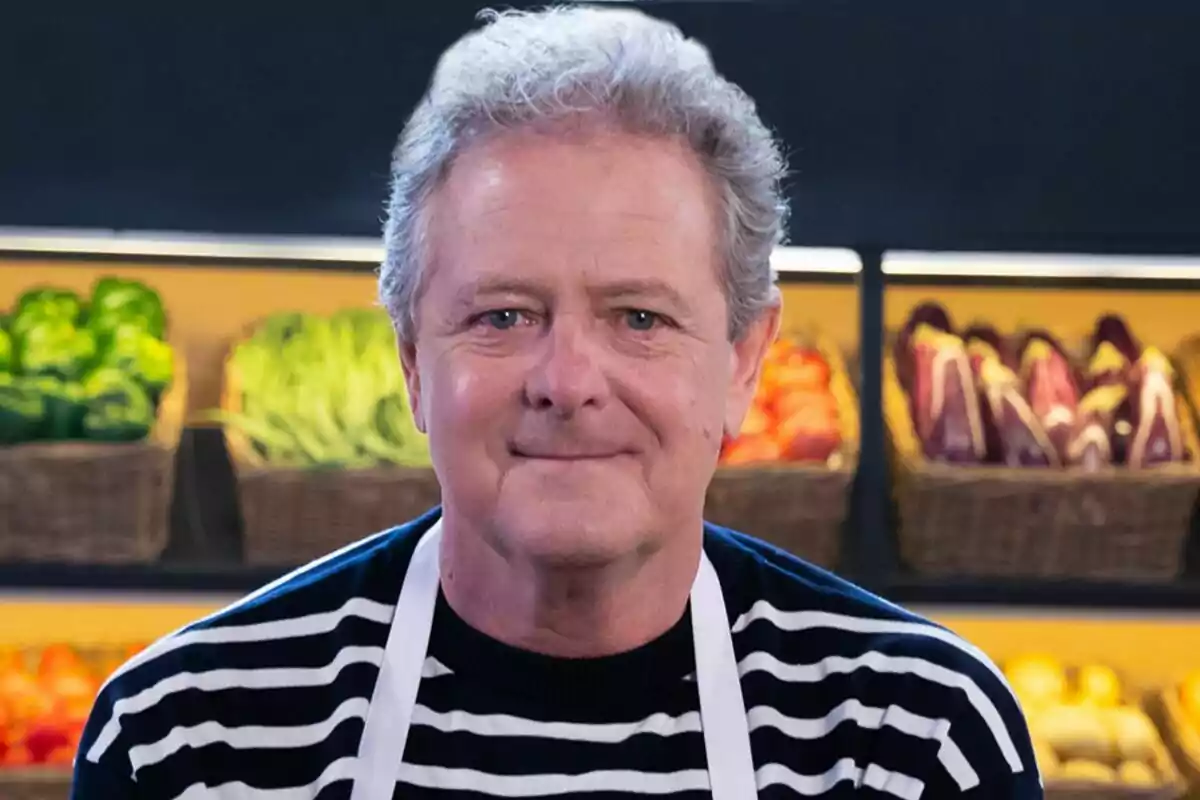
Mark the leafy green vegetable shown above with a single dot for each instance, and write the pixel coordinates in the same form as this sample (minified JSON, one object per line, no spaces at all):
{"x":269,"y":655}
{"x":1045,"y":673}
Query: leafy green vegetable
{"x":117,"y":409}
{"x":55,"y":348}
{"x":326,"y":392}
{"x":22,"y":409}
{"x":120,"y":301}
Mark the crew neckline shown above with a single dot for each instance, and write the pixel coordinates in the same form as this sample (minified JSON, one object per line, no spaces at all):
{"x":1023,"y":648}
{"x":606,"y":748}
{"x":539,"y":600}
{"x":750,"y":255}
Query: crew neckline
{"x":634,"y":678}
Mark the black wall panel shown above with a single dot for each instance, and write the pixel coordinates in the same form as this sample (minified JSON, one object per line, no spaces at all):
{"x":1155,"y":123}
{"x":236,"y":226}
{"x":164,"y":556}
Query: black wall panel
{"x":929,"y":123}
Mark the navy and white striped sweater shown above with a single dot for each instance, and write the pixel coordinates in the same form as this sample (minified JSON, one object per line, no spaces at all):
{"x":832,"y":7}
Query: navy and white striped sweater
{"x":847,"y":695}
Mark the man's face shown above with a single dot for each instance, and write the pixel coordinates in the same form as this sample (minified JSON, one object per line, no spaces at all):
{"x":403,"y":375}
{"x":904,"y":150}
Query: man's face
{"x":571,"y":363}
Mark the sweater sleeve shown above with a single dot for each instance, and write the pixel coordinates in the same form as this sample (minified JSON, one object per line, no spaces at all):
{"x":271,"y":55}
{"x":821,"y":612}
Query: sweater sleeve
{"x":101,"y":781}
{"x":109,"y":776}
{"x":987,"y":733}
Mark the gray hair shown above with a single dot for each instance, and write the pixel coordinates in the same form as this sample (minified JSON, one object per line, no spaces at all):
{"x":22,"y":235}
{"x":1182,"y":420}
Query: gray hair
{"x":524,"y":68}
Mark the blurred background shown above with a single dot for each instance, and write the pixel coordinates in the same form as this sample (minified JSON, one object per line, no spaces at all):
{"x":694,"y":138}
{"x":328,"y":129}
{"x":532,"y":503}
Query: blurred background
{"x":190,"y":208}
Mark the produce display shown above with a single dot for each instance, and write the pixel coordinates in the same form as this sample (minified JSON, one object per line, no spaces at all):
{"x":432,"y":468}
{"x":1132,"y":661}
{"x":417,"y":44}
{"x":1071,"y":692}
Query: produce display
{"x":72,"y":369}
{"x":45,"y":698}
{"x":322,"y":392}
{"x":1083,"y":729}
{"x":1189,"y":363}
{"x":977,"y":396}
{"x":795,"y":414}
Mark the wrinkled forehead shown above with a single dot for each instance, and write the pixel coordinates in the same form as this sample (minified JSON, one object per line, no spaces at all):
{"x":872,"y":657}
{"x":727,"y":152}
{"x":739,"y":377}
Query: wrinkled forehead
{"x":610,"y":211}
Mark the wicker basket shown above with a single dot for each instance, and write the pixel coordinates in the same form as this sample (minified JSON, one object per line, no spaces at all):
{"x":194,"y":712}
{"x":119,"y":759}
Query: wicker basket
{"x":1172,"y":783}
{"x":1170,"y":789}
{"x":991,"y":521}
{"x":92,"y":502}
{"x":799,"y":507}
{"x":34,"y":784}
{"x":291,"y":516}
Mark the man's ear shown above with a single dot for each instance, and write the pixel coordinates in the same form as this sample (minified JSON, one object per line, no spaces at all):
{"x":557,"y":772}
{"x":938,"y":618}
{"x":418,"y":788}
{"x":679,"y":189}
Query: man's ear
{"x":412,"y":380}
{"x":747,"y":355}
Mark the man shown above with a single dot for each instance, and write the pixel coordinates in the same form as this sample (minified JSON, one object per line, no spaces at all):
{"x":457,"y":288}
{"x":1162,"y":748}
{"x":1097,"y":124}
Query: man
{"x":578,"y":239}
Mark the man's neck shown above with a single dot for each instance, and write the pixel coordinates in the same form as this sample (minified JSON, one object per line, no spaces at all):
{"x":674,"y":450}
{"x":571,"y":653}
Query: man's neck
{"x":568,"y":613}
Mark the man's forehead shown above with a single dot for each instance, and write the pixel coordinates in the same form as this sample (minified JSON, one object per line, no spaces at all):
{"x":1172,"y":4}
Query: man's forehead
{"x":601,"y":286}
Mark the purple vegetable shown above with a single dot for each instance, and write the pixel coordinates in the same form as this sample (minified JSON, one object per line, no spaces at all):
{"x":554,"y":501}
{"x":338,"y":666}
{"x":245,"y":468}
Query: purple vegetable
{"x":928,"y":313}
{"x":1112,"y":329}
{"x":1014,"y":435}
{"x":993,"y":339}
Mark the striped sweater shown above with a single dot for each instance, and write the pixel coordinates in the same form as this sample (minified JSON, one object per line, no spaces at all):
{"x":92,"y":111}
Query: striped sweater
{"x":846,"y":695}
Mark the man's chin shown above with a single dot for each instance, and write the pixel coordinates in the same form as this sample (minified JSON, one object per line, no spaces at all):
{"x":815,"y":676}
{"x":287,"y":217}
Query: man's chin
{"x":574,"y":532}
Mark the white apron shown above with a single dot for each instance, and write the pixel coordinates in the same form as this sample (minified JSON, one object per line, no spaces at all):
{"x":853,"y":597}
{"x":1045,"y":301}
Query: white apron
{"x":722,"y":712}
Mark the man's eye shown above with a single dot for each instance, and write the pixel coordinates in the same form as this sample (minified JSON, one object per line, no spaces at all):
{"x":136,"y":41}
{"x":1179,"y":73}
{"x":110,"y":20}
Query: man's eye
{"x":641,"y":320}
{"x":502,"y":318}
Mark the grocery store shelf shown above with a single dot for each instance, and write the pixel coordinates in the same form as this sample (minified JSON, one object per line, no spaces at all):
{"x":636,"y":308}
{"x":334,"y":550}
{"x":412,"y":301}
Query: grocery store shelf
{"x":1109,"y":596}
{"x":158,"y":244}
{"x":1030,"y":268}
{"x":303,"y":250}
{"x":163,"y":578}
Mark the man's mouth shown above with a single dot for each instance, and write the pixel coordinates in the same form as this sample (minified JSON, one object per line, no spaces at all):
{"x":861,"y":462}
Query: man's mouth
{"x":572,"y":454}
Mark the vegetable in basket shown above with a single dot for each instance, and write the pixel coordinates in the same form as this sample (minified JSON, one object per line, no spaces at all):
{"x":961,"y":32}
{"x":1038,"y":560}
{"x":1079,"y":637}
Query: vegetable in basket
{"x":55,"y":348}
{"x":1118,"y":405}
{"x":324,"y":392}
{"x":44,"y":304}
{"x":944,"y":401}
{"x":1132,"y":417}
{"x":64,"y":408}
{"x":120,"y":301}
{"x":22,"y":410}
{"x":1050,"y":387}
{"x":117,"y":408}
{"x":140,"y":355}
{"x":6,"y":351}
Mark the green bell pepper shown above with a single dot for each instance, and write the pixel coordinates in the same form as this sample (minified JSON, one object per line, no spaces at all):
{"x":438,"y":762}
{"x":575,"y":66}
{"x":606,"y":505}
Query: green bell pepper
{"x":55,"y":348}
{"x":117,"y":301}
{"x":117,"y":408}
{"x":137,"y":353}
{"x":22,"y":410}
{"x":41,"y":305}
{"x":6,"y":352}
{"x":103,"y":378}
{"x":64,"y":408}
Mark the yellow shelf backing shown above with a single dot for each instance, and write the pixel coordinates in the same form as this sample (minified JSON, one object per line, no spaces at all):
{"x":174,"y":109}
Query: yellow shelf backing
{"x":1150,"y":650}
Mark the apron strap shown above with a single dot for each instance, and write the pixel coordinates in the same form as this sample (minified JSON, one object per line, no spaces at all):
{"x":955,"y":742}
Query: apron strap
{"x":722,"y":710}
{"x":385,"y":732}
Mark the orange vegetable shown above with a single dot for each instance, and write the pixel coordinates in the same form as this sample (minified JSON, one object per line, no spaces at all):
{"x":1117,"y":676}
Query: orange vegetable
{"x":752,"y":450}
{"x":757,"y":422}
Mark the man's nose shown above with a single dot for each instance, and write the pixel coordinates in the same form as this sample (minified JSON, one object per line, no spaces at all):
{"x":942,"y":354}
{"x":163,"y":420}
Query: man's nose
{"x":568,"y":376}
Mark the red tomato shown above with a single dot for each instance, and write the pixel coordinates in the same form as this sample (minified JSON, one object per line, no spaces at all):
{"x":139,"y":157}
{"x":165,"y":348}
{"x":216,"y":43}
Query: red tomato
{"x":45,"y":738}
